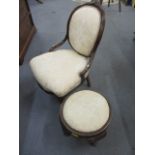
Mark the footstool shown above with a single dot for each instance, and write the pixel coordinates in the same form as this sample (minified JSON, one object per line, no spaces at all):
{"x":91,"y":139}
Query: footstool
{"x":85,"y":114}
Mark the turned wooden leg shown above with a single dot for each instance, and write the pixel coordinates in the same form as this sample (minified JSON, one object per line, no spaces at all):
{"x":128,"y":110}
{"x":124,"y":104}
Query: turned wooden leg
{"x":60,"y":99}
{"x":119,"y":6}
{"x":91,"y":142}
{"x":88,"y":81}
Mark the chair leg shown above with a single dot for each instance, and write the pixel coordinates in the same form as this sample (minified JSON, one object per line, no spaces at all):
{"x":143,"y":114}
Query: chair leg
{"x":88,"y":81}
{"x":21,"y":60}
{"x":119,"y":6}
{"x":108,"y":3}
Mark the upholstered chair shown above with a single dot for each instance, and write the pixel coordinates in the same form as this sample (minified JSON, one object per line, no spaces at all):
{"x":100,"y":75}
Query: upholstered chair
{"x":60,"y":71}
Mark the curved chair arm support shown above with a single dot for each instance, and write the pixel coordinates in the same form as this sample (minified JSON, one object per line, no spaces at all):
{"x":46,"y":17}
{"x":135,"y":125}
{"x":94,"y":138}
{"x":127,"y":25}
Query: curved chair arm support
{"x":83,"y":73}
{"x":58,"y":44}
{"x":86,"y":69}
{"x":89,"y":63}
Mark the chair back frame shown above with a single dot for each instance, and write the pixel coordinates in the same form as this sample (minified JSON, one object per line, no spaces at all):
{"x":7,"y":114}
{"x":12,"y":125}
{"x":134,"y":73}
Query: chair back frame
{"x":98,"y":6}
{"x":101,"y":28}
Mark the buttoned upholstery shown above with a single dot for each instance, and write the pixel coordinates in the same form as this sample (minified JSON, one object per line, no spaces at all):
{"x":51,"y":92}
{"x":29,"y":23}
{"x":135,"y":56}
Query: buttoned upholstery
{"x":58,"y":71}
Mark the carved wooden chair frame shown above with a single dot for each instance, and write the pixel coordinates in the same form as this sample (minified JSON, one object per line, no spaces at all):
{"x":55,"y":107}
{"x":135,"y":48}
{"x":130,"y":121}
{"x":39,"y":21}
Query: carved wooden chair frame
{"x":93,"y":50}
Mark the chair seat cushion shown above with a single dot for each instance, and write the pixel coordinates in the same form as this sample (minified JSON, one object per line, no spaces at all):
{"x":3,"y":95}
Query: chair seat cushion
{"x":86,"y":111}
{"x":58,"y":71}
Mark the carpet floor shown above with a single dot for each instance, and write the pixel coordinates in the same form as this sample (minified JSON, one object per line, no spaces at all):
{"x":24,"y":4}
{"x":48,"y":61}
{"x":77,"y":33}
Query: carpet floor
{"x":112,"y":74}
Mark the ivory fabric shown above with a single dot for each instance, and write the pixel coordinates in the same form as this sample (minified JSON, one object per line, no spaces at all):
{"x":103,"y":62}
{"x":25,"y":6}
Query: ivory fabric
{"x":86,"y":111}
{"x":58,"y":71}
{"x":83,"y":29}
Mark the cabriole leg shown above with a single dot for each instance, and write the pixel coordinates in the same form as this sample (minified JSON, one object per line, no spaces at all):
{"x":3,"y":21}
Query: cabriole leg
{"x":88,"y":81}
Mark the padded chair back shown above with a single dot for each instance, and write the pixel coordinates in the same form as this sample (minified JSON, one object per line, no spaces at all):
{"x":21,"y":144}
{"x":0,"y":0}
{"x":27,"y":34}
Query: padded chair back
{"x":85,"y":28}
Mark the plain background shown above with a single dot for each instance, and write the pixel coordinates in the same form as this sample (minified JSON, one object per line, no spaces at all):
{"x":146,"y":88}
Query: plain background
{"x":145,"y":78}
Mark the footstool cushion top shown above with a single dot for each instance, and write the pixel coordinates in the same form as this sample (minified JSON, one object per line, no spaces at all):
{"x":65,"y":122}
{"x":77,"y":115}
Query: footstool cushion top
{"x":86,"y":111}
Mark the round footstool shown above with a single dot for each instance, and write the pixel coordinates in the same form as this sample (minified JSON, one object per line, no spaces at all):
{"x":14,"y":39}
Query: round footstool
{"x":85,"y":114}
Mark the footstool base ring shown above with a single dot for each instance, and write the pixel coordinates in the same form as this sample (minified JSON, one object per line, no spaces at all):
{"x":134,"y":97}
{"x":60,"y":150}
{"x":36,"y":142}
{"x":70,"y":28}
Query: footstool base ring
{"x":81,"y":134}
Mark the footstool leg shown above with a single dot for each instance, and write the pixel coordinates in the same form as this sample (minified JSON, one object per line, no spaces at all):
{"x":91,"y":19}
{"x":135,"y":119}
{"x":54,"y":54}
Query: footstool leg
{"x":93,"y":140}
{"x":104,"y":134}
{"x":65,"y":131}
{"x":88,"y":81}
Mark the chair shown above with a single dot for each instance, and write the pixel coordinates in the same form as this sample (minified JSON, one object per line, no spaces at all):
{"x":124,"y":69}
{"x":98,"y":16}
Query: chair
{"x":63,"y":70}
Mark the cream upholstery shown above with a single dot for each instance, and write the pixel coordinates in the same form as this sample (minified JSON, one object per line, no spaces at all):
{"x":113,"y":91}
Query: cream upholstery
{"x":86,"y":111}
{"x":58,"y":71}
{"x":83,"y":29}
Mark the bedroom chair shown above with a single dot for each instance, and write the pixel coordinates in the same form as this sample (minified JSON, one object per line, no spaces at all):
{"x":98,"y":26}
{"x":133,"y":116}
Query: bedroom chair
{"x":61,"y":71}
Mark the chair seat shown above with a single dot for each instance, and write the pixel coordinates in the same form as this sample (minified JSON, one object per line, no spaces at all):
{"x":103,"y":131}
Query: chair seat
{"x":58,"y":71}
{"x":86,"y":111}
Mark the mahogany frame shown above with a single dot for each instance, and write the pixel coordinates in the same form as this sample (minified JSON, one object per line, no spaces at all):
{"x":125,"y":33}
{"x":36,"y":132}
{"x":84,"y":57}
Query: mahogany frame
{"x":97,"y":5}
{"x":92,"y":137}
